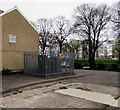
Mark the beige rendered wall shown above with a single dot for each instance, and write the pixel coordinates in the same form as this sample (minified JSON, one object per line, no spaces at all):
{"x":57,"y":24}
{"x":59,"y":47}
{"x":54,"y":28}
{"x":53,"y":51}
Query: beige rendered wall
{"x":0,"y":43}
{"x":13,"y":60}
{"x":0,"y":60}
{"x":26,"y":40}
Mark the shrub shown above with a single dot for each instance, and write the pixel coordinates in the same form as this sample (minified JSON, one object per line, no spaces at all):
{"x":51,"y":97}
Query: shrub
{"x":107,"y":64}
{"x":82,"y":62}
{"x":114,"y":67}
{"x":100,"y":66}
{"x":103,"y":64}
{"x":6,"y":70}
{"x":78,"y":66}
{"x":106,"y":61}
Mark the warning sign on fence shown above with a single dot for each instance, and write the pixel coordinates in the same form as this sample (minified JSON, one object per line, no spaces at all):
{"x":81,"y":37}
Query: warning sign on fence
{"x":61,"y":56}
{"x":33,"y":57}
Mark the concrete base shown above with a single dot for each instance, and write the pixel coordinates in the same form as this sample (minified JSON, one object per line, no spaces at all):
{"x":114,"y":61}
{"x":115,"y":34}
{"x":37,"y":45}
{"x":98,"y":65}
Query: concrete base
{"x":91,"y":96}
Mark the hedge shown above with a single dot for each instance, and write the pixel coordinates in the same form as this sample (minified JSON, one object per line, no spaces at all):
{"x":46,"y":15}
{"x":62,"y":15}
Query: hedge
{"x":108,"y":64}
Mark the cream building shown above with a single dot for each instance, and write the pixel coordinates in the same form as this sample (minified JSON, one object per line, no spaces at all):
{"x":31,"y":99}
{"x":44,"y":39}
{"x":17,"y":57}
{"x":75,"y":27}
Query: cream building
{"x":17,"y":36}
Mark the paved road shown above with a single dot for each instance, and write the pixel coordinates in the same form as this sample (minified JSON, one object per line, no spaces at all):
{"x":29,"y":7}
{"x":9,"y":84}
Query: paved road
{"x":98,"y":77}
{"x":45,"y":96}
{"x":86,"y":76}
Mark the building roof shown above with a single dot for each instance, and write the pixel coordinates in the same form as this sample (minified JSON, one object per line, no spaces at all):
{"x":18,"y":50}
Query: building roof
{"x":15,"y":8}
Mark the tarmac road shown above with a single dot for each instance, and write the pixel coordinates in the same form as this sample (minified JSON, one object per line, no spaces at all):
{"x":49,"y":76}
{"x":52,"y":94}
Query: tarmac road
{"x":82,"y":76}
{"x":109,"y":78}
{"x":45,"y":96}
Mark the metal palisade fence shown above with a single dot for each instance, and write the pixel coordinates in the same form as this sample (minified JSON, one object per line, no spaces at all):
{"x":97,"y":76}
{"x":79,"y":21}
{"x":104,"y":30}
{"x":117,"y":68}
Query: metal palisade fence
{"x":48,"y":64}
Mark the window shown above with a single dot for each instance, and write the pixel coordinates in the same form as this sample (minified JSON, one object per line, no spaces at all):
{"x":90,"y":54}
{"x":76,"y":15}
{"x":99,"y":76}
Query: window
{"x":12,"y":38}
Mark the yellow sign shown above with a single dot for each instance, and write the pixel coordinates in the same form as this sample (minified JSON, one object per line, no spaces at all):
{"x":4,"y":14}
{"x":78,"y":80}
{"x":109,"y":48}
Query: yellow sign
{"x":33,"y":57}
{"x":61,"y":56}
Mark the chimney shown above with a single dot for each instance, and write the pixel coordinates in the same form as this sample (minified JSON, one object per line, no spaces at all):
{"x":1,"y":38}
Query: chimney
{"x":1,"y":11}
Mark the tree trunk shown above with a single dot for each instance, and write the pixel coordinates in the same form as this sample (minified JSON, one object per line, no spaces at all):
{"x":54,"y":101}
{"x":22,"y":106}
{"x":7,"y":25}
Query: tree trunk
{"x":92,"y":63}
{"x":60,"y":46}
{"x":92,"y":60}
{"x":43,"y":48}
{"x":91,"y":54}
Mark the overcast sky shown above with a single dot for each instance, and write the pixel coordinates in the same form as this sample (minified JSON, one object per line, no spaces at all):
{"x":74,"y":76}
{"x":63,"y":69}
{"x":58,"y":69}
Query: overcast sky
{"x":34,"y":9}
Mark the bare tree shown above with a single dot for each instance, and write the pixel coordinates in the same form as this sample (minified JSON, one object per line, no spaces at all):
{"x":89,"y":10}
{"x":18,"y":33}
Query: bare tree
{"x":44,"y":27}
{"x":73,"y":46}
{"x":84,"y":49}
{"x":116,"y":21}
{"x":52,"y":44}
{"x":90,"y":23}
{"x":61,"y":30}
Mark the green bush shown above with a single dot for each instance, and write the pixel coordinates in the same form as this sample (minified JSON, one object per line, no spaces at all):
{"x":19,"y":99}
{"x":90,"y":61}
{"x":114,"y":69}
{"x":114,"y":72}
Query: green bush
{"x":100,"y":66}
{"x":108,"y":61}
{"x":77,"y":65}
{"x":114,"y":67}
{"x":107,"y":64}
{"x":82,"y":62}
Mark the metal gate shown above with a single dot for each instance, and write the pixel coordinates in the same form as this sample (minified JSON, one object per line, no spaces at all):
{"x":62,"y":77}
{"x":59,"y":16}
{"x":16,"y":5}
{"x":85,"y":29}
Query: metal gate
{"x":48,"y":64}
